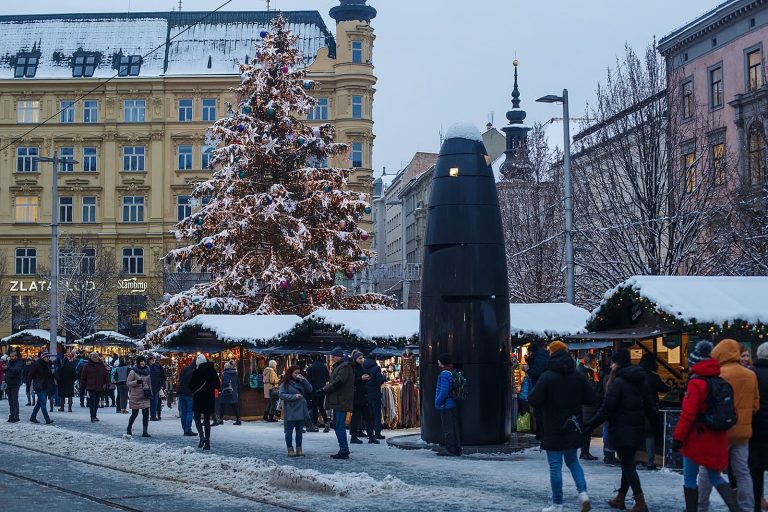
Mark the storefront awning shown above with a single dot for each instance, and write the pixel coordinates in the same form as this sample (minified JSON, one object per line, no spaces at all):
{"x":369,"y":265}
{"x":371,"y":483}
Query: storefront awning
{"x":589,"y":345}
{"x":623,"y":334}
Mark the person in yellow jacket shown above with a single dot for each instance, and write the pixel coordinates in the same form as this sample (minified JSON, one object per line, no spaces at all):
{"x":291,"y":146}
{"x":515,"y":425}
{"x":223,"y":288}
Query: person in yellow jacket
{"x":746,"y":399}
{"x":271,"y":380}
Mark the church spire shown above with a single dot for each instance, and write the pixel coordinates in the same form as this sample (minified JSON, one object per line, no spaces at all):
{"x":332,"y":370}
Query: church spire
{"x":517,"y":165}
{"x":351,"y":10}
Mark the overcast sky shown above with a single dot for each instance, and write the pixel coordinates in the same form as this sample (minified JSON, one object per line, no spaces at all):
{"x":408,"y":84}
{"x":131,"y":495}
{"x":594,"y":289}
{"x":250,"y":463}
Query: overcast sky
{"x":443,"y":61}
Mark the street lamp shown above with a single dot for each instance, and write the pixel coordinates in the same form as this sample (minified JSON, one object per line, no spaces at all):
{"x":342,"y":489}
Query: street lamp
{"x":570,"y":287}
{"x":54,"y":288}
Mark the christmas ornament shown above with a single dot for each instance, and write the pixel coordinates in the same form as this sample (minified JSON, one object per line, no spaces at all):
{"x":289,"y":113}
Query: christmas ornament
{"x":241,"y":127}
{"x":363,"y":257}
{"x":327,"y":188}
{"x":303,"y":296}
{"x":285,"y":70}
{"x":200,"y":221}
{"x":308,"y":84}
{"x":271,"y":111}
{"x":350,"y":275}
{"x":342,"y":224}
{"x":283,"y":284}
{"x":367,"y":210}
{"x":241,"y":174}
{"x":247,"y":109}
{"x":268,"y":199}
{"x":208,"y":244}
{"x":301,"y":141}
{"x":263,"y":34}
{"x":364,"y":236}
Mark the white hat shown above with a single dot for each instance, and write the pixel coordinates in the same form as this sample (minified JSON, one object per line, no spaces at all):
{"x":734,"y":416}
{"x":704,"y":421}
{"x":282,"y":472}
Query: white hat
{"x":201,"y":359}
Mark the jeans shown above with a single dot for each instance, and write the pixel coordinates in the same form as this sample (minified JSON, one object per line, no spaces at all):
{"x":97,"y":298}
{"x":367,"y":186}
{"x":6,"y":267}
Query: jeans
{"x":13,"y":402}
{"x":340,"y":428}
{"x":31,"y":398}
{"x":629,"y":476}
{"x":144,"y":419}
{"x":449,"y":419}
{"x":41,"y":405}
{"x":154,"y":404}
{"x":289,"y":426}
{"x":555,"y":460}
{"x":738,"y":455}
{"x":93,"y":402}
{"x":185,"y":413}
{"x":607,"y":449}
{"x":691,"y":471}
{"x":375,"y":406}
{"x":122,"y":397}
{"x":650,"y":450}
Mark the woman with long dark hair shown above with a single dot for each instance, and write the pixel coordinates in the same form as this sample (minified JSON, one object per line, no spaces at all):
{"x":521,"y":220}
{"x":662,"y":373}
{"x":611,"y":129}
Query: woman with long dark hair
{"x":139,"y":395}
{"x":204,"y":383}
{"x":294,"y":388}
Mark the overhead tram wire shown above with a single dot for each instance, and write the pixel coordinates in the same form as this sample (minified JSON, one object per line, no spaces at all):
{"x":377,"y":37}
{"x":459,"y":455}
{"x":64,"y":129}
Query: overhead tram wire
{"x":116,"y":75}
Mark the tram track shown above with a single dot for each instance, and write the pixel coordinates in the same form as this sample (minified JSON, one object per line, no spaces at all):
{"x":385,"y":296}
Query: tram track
{"x":119,"y":506}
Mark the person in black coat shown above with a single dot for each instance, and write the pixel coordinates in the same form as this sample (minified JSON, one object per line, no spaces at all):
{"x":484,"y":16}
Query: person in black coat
{"x":66,"y":377}
{"x":653,"y":431}
{"x":758,"y":445}
{"x":537,"y":359}
{"x":14,"y":374}
{"x":204,"y":383}
{"x":318,"y":375}
{"x":627,"y":406}
{"x":373,"y":370}
{"x":559,"y":394}
{"x":361,"y":411}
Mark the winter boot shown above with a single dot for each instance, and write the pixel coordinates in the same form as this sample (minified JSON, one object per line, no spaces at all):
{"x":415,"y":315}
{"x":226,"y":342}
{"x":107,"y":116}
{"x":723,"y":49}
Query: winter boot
{"x":61,"y":408}
{"x":299,"y":451}
{"x":640,"y":505}
{"x":726,"y":492}
{"x":691,"y":499}
{"x":326,"y":428}
{"x":128,"y":431}
{"x":201,"y":443}
{"x":586,"y":503}
{"x":145,"y":434}
{"x":618,"y":501}
{"x":207,"y":445}
{"x":291,"y":451}
{"x":238,"y":422}
{"x":70,"y":407}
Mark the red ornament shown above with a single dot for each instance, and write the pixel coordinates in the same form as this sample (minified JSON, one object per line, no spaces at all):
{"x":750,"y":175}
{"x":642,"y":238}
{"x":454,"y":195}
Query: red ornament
{"x":364,"y":236}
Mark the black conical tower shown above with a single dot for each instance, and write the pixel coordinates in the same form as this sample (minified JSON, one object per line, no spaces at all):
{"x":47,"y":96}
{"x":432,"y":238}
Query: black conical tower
{"x":351,"y":10}
{"x":517,"y":165}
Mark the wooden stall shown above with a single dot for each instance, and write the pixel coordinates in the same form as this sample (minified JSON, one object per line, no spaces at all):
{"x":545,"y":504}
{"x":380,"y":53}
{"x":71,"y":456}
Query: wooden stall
{"x":30,"y":342}
{"x":114,"y":341}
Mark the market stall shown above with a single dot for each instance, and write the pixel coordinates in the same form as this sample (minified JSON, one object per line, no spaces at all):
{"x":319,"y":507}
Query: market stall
{"x":116,"y":342}
{"x":30,"y":342}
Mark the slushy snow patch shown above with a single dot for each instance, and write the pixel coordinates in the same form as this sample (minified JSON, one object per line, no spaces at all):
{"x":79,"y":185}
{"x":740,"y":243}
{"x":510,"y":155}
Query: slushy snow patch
{"x":464,"y":131}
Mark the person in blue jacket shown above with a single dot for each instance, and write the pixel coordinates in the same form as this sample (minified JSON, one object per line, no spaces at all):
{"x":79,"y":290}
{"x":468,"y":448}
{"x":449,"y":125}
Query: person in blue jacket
{"x":446,"y":406}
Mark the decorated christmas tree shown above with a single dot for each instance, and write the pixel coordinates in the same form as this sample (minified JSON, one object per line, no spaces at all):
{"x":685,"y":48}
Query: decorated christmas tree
{"x":275,"y":224}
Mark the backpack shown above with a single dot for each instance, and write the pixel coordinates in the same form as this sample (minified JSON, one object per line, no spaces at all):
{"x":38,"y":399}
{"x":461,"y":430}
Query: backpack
{"x":721,"y":411}
{"x":458,"y":386}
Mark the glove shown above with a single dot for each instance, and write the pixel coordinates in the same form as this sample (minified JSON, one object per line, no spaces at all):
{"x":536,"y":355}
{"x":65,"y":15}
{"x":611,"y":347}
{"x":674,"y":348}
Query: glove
{"x":676,"y":445}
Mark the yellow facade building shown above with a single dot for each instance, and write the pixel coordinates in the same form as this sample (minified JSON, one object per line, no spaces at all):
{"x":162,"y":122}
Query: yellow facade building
{"x":130,"y":98}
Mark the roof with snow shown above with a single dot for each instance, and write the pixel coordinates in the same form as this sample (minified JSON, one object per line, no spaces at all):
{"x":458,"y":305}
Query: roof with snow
{"x":547,"y":320}
{"x":175,"y":43}
{"x":701,"y":299}
{"x":372,"y":324}
{"x":244,"y":330}
{"x":35,"y":336}
{"x":108,"y":338}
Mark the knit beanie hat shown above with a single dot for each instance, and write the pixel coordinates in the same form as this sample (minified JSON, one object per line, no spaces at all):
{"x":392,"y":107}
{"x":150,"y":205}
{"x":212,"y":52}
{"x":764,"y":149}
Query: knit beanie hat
{"x":337,"y":352}
{"x":44,"y":354}
{"x":702,"y":352}
{"x":557,"y":345}
{"x":201,"y":359}
{"x":622,"y":357}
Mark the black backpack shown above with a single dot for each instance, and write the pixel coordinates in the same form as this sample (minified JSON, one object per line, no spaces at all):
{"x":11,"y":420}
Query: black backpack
{"x":721,"y":411}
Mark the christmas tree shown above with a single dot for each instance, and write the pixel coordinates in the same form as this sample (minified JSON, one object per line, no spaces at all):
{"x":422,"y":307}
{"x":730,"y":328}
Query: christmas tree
{"x":276,"y":224}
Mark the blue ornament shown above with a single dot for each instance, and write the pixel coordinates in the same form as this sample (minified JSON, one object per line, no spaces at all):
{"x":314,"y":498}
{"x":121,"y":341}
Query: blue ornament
{"x":241,"y":127}
{"x":247,"y":109}
{"x":363,"y":257}
{"x":263,"y":34}
{"x":301,"y":141}
{"x":368,"y":210}
{"x":308,"y":84}
{"x":271,"y":112}
{"x":327,"y":188}
{"x":268,"y":199}
{"x":200,"y":221}
{"x":241,"y":174}
{"x":209,"y":245}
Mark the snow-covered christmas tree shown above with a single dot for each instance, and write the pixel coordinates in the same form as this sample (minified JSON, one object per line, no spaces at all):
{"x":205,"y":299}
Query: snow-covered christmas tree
{"x":276,"y":225}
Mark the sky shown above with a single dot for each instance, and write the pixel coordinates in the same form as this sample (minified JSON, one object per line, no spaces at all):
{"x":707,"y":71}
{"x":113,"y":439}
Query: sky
{"x":439,"y":62}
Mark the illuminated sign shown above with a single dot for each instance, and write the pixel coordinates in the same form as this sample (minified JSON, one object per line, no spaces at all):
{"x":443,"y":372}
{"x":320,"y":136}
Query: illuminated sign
{"x":133,"y":285}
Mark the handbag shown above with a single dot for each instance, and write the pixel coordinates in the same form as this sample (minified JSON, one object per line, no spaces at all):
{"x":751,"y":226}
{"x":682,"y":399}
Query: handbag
{"x":524,"y":422}
{"x":274,"y":393}
{"x":147,"y":393}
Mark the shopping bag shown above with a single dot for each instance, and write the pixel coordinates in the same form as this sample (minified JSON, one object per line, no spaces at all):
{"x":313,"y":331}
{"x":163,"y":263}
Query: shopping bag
{"x":524,"y":422}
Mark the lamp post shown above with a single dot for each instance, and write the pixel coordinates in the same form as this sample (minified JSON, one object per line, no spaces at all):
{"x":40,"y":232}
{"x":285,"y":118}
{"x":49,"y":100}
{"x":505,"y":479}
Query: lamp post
{"x":54,"y":288}
{"x":570,"y":286}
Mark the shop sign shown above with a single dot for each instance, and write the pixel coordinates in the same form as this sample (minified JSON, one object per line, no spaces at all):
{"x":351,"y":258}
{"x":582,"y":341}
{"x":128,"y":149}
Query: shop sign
{"x":44,"y":285}
{"x":672,"y":341}
{"x":133,"y":285}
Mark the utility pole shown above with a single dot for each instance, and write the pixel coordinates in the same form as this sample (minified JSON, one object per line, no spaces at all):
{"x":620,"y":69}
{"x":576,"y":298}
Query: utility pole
{"x":54,"y":288}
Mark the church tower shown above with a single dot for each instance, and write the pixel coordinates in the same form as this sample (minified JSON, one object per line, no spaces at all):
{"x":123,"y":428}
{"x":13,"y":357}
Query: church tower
{"x":517,"y":165}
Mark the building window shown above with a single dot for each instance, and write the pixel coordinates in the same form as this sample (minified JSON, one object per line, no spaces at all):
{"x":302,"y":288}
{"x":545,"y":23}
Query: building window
{"x":88,"y":261}
{"x":130,"y":321}
{"x":357,"y":154}
{"x":185,"y":158}
{"x":133,"y":158}
{"x":209,"y":109}
{"x":84,"y":66}
{"x":130,"y":65}
{"x":134,"y":111}
{"x":755,"y":69}
{"x":756,"y":154}
{"x":688,"y":99}
{"x":26,"y":159}
{"x":69,"y":155}
{"x":133,"y":260}
{"x":206,"y":156}
{"x":68,"y":263}
{"x":320,"y":110}
{"x":26,"y":65}
{"x":357,"y":107}
{"x":133,"y":209}
{"x":26,"y":209}
{"x":716,"y":87}
{"x":65,"y":209}
{"x":90,"y":160}
{"x":185,"y":110}
{"x":89,"y":209}
{"x":357,"y":52}
{"x":26,"y":261}
{"x":28,"y":111}
{"x":67,"y":111}
{"x":689,"y":159}
{"x":90,"y":111}
{"x":718,"y":163}
{"x":183,"y":208}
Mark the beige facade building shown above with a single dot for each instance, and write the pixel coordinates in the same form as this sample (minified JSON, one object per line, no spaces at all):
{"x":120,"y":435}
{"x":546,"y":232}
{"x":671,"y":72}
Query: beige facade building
{"x":135,"y":121}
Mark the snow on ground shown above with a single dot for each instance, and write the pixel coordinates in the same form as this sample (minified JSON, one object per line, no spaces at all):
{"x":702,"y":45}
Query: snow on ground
{"x":251,"y":460}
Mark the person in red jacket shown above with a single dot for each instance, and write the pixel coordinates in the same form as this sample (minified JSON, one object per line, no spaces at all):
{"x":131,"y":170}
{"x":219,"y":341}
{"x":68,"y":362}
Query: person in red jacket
{"x":700,"y":446}
{"x":93,"y":378}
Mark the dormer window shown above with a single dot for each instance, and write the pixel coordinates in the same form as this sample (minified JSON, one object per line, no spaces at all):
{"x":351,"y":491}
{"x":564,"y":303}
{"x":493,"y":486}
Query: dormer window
{"x":26,"y":65}
{"x":84,"y":65}
{"x":130,"y":65}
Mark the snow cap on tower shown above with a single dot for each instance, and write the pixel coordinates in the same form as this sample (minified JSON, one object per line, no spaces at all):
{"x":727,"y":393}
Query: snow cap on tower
{"x":351,"y":10}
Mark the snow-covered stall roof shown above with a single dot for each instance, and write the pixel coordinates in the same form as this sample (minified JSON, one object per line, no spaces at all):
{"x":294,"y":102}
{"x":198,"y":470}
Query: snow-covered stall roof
{"x":701,"y":299}
{"x":546,"y":320}
{"x":238,"y":329}
{"x":108,"y":337}
{"x":41,"y":335}
{"x":213,"y":46}
{"x":372,"y":324}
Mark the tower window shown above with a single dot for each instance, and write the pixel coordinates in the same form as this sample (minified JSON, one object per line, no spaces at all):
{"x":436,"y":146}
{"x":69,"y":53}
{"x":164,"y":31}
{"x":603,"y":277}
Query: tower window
{"x":357,"y":52}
